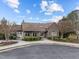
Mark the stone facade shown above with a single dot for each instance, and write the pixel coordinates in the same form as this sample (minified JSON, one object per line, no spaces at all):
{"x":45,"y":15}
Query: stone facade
{"x":37,"y":29}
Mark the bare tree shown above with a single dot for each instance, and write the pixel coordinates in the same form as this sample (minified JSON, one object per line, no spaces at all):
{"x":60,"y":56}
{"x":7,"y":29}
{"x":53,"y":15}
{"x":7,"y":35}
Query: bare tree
{"x":65,"y":26}
{"x":12,"y":28}
{"x":5,"y":28}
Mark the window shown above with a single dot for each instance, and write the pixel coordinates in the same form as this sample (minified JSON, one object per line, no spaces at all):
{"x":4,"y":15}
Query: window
{"x":19,"y":32}
{"x":27,"y":34}
{"x":34,"y":34}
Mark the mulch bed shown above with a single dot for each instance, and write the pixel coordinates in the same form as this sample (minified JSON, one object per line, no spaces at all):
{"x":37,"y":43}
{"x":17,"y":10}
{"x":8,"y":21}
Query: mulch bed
{"x":4,"y":43}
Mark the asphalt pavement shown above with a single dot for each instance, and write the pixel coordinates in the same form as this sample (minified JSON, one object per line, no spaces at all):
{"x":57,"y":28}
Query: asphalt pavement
{"x":42,"y":51}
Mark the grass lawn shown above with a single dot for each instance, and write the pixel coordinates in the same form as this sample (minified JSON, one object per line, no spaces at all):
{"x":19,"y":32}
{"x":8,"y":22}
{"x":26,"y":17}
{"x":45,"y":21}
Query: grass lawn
{"x":66,"y":40}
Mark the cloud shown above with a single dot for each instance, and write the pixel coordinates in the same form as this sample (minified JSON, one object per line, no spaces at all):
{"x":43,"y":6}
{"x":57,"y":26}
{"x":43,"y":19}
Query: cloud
{"x":45,"y":20}
{"x":14,"y":4}
{"x":28,"y":11}
{"x":48,"y":13}
{"x":50,"y":6}
{"x":77,"y":7}
{"x":16,"y":10}
{"x":55,"y":18}
{"x":43,"y":5}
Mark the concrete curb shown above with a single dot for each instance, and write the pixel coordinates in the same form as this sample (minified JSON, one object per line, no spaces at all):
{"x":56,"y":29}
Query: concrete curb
{"x":76,"y":45}
{"x":11,"y":48}
{"x":41,"y":42}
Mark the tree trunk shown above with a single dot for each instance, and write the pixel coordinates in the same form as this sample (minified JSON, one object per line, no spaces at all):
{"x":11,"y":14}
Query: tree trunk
{"x":61,"y":35}
{"x":77,"y":36}
{"x":5,"y":37}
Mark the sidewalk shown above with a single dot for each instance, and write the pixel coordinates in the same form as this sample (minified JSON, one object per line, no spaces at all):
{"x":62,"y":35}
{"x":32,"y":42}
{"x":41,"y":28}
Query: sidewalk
{"x":21,"y":44}
{"x":13,"y":46}
{"x":57,"y":43}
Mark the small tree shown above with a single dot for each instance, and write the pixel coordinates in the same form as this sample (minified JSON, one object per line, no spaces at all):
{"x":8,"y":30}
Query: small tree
{"x":12,"y":30}
{"x":65,"y":26}
{"x":74,"y":17}
{"x":5,"y":28}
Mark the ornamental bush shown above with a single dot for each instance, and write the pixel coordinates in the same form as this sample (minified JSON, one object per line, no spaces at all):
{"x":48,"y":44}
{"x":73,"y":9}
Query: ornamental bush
{"x":49,"y":37}
{"x":57,"y":38}
{"x":2,"y":36}
{"x":73,"y":38}
{"x":31,"y":38}
{"x":12,"y":36}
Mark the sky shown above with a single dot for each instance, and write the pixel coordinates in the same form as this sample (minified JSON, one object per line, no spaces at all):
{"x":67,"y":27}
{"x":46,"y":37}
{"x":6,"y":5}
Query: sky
{"x":37,"y":11}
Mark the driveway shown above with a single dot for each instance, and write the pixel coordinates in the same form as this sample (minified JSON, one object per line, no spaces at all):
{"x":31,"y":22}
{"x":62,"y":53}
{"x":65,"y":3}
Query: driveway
{"x":42,"y":51}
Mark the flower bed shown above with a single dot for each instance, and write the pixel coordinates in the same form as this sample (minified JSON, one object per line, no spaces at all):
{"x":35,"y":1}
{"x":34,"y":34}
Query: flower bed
{"x":3,"y":43}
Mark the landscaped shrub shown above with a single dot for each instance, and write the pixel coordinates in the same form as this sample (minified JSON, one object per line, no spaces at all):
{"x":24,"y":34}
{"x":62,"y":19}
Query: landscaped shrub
{"x":73,"y":38}
{"x":66,"y":35}
{"x":56,"y":38}
{"x":31,"y":38}
{"x":2,"y":36}
{"x":12,"y":36}
{"x":49,"y":37}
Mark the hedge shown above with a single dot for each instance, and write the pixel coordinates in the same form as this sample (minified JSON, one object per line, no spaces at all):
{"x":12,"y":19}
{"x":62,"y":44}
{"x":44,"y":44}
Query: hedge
{"x":31,"y":38}
{"x":50,"y":37}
